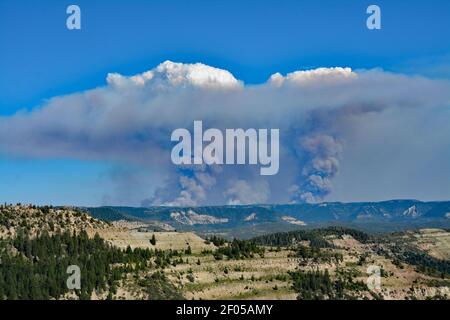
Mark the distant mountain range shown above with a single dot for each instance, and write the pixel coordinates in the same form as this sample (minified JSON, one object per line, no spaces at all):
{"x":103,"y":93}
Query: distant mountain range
{"x":376,"y":216}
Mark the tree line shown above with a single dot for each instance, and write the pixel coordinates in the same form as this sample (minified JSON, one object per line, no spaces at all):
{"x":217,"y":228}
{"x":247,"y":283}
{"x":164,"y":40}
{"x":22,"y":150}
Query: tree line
{"x":316,"y":237}
{"x":36,"y":268}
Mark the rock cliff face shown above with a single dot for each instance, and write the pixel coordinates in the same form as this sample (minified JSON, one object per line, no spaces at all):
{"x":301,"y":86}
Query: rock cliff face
{"x":385,"y":216}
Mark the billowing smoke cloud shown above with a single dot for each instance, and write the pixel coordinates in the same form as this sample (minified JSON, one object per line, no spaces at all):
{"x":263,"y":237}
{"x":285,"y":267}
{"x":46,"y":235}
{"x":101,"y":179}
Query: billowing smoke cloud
{"x":129,"y":122}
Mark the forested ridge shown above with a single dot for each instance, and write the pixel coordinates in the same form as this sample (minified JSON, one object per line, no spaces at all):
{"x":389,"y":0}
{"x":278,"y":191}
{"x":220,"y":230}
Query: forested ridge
{"x":36,"y":268}
{"x":316,"y":237}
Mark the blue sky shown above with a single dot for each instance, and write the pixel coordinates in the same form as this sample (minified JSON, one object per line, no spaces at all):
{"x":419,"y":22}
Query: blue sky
{"x":40,"y":58}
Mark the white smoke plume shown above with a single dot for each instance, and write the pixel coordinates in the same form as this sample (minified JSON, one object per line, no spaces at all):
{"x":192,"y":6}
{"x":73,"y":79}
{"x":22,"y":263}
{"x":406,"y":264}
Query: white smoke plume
{"x":129,"y":121}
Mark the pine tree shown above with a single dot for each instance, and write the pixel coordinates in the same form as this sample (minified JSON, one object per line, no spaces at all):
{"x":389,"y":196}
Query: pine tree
{"x":153,"y":240}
